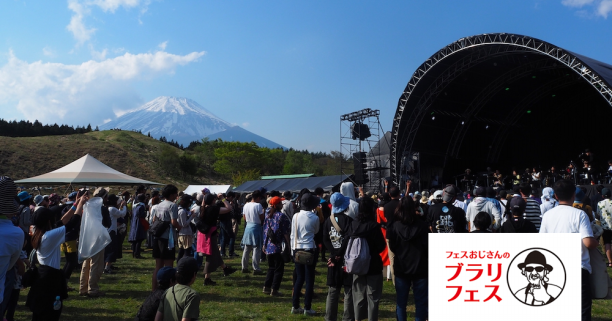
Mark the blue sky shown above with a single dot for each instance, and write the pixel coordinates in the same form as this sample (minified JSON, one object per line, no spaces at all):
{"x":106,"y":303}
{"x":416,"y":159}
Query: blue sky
{"x":285,"y":70}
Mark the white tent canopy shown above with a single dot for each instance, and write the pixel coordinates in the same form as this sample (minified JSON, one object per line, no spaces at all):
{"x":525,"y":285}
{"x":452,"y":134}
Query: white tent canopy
{"x":85,"y":170}
{"x":214,"y":189}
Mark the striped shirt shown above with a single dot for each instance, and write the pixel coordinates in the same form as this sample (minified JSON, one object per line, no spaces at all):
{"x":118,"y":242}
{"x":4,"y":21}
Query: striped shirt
{"x":533,"y":212}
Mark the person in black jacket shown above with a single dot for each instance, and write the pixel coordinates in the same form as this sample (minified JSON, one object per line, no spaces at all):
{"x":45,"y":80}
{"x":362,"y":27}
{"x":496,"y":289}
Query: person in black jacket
{"x":367,"y":289}
{"x":336,"y":241}
{"x":516,"y":223}
{"x":408,"y":240}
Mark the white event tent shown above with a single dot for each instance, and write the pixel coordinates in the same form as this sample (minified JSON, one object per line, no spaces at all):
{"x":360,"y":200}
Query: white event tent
{"x":214,"y":189}
{"x":85,"y":171}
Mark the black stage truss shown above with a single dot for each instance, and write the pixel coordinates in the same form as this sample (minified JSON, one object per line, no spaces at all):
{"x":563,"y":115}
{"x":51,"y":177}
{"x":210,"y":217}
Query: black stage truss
{"x":481,"y":90}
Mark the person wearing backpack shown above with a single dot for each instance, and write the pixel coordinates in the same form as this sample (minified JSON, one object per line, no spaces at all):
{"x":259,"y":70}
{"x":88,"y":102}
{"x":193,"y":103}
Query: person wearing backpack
{"x":335,"y":229}
{"x":304,"y":227}
{"x":408,"y":239}
{"x":367,"y":287}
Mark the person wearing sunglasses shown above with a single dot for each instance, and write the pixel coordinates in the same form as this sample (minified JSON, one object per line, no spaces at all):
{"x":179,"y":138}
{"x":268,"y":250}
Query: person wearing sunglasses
{"x":538,"y":290}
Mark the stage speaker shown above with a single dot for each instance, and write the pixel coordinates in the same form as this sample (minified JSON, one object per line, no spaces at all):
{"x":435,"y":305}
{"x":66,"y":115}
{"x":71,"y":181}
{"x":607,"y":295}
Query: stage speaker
{"x":360,"y":165}
{"x":360,"y":131}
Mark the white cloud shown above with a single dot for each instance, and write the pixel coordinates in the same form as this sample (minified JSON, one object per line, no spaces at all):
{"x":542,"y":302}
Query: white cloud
{"x":48,"y":52}
{"x":604,"y":8}
{"x":245,"y":124}
{"x":80,"y":32}
{"x":97,"y":55}
{"x":82,"y":9}
{"x":113,"y":5}
{"x":576,"y":3}
{"x":87,"y":92}
{"x":590,"y":8}
{"x":163,"y":45}
{"x":107,"y":120}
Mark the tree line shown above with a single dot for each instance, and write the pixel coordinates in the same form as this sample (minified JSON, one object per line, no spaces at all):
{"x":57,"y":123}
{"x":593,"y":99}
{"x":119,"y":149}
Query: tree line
{"x":25,"y":128}
{"x":241,"y":162}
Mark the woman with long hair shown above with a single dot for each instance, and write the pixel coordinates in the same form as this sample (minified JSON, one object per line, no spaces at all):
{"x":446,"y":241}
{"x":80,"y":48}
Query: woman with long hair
{"x":409,"y":242}
{"x":367,"y":289}
{"x":210,"y":213}
{"x":51,"y":283}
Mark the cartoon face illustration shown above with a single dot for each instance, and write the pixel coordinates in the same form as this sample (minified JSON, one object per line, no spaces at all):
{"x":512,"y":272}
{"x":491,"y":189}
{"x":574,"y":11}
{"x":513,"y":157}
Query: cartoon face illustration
{"x":537,"y":290}
{"x":535,"y":273}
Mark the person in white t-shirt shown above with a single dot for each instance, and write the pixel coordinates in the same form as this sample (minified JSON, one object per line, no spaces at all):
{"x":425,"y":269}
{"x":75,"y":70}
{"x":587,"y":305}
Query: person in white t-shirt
{"x":253,"y":234}
{"x":47,"y":240}
{"x":566,"y":219}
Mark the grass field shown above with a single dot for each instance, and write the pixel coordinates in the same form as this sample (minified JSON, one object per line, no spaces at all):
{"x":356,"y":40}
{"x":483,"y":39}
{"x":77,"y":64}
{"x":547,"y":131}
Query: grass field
{"x":237,"y":297}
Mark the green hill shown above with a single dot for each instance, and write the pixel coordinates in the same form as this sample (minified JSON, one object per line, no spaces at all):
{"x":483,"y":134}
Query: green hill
{"x":128,"y":152}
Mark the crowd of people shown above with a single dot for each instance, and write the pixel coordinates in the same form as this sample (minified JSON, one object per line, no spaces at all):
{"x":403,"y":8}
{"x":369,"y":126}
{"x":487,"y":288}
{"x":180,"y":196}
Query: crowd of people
{"x":367,"y":238}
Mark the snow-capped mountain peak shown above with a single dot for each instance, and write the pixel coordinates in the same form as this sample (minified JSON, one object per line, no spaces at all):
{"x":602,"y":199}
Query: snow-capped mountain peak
{"x":182,"y":120}
{"x":179,"y":105}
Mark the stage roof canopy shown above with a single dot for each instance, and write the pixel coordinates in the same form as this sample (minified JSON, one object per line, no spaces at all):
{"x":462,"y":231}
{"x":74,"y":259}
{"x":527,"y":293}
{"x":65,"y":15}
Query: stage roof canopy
{"x":503,"y":100}
{"x":85,"y":170}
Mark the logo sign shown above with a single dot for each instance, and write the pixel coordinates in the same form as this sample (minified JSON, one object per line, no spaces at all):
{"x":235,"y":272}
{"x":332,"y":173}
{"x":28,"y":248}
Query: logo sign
{"x":504,"y":276}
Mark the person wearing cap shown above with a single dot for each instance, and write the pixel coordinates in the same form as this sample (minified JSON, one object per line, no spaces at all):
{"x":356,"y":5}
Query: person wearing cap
{"x":166,"y":278}
{"x":481,"y":204}
{"x":69,"y":247}
{"x":579,"y":204}
{"x":180,"y":302}
{"x":41,"y":201}
{"x":12,"y":239}
{"x":276,"y":229}
{"x":305,"y":226}
{"x":50,"y":282}
{"x":24,"y":217}
{"x":409,"y":241}
{"x":533,"y":212}
{"x":116,"y":209}
{"x":348,"y":190}
{"x":93,"y":267}
{"x":445,"y":217}
{"x":604,"y":212}
{"x":336,"y":240}
{"x":252,"y":239}
{"x":548,"y":200}
{"x":517,"y":224}
{"x":567,"y":219}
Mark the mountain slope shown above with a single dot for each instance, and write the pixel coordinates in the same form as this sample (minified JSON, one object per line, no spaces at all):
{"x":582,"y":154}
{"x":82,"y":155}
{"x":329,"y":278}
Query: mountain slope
{"x":128,"y":152}
{"x":240,"y":134}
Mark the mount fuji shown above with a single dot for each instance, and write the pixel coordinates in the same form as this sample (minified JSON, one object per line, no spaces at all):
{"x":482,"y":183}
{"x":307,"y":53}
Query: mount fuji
{"x":183,"y":120}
